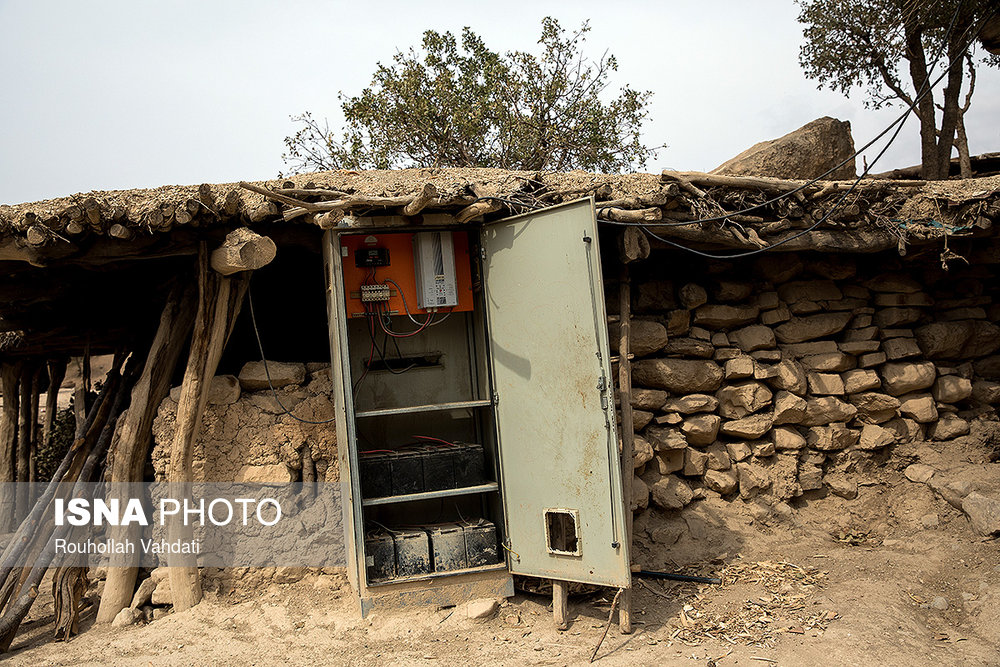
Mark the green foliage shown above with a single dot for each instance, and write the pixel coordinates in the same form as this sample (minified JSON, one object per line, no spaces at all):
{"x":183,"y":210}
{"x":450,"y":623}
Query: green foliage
{"x":456,"y":103}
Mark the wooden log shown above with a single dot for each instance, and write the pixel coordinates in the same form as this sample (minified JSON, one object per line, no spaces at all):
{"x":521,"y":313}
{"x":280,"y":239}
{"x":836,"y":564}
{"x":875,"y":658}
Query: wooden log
{"x":34,"y":437}
{"x":627,"y":429}
{"x":10,"y":376}
{"x":129,"y":456}
{"x":36,"y":236}
{"x":219,"y":300}
{"x":57,"y":372}
{"x":328,"y":220}
{"x":75,"y":228}
{"x":121,"y":232}
{"x":477,"y":210}
{"x":23,"y":458}
{"x":231,"y":204}
{"x":635,"y":215}
{"x":263,"y":211}
{"x":92,"y":211}
{"x":632,"y":245}
{"x":243,"y":250}
{"x":421,"y":200}
{"x":560,"y":604}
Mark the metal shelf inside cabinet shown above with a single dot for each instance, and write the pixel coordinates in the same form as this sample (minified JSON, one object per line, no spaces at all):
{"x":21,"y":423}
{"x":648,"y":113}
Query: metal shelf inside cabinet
{"x":433,"y":407}
{"x":437,"y":575}
{"x":430,"y":495}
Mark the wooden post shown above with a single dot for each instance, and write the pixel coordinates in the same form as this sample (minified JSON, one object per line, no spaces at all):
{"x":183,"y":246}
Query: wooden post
{"x":628,"y":435}
{"x":219,"y":300}
{"x":243,"y":250}
{"x":26,"y":389}
{"x":129,"y":455}
{"x":560,"y":604}
{"x":10,"y":375}
{"x":57,"y":372}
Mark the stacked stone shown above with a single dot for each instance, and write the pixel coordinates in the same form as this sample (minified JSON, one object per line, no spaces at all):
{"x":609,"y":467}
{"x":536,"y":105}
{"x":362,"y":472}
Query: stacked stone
{"x":779,"y":384}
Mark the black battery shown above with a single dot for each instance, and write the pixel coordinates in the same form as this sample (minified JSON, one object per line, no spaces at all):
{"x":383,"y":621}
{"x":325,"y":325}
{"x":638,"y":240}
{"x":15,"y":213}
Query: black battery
{"x":448,"y":547}
{"x":375,"y":473}
{"x":439,"y":467}
{"x":380,"y":557}
{"x":407,"y":472}
{"x":413,"y":555}
{"x":469,"y":465}
{"x":481,"y":544}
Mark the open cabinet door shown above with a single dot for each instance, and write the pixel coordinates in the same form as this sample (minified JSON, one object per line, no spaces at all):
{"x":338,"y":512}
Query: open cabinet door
{"x":560,"y":473}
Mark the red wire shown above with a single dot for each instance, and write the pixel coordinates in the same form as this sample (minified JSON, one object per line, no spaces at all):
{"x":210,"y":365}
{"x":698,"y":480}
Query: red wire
{"x":406,"y":335}
{"x":426,"y":437}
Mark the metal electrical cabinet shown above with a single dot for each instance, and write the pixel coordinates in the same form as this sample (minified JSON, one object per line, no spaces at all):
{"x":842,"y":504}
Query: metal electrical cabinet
{"x":484,"y":445}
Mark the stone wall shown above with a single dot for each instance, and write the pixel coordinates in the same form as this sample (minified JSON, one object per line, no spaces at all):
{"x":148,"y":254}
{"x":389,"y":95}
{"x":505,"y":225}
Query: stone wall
{"x":779,"y":377}
{"x":247,"y":437}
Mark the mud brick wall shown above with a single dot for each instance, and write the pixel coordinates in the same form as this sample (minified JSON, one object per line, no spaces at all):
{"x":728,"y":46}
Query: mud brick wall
{"x":779,"y":377}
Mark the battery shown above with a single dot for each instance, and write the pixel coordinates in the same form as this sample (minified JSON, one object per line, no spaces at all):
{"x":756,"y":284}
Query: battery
{"x":375,"y":473}
{"x":469,"y":465}
{"x":407,"y":472}
{"x":380,"y":556}
{"x":448,"y":547}
{"x":481,"y":544}
{"x":412,"y":553}
{"x":439,"y":467}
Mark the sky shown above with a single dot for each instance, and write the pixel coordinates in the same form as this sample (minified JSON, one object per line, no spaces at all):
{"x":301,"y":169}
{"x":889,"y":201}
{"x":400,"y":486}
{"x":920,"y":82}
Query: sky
{"x":104,"y":94}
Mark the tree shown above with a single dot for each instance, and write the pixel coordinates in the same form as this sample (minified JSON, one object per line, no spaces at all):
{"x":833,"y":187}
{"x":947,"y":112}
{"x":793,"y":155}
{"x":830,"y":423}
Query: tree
{"x":462,"y":105}
{"x":876,"y":44}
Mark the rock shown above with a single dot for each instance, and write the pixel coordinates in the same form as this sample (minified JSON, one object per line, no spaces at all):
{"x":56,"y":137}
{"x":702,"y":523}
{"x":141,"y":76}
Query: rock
{"x":983,"y":513}
{"x":930,"y":520}
{"x":906,"y":430}
{"x":860,"y":333}
{"x":859,"y":347}
{"x":826,"y":410}
{"x":645,"y":337}
{"x":808,"y":152}
{"x":800,"y":329}
{"x":648,"y":399}
{"x":691,"y":404}
{"x":826,"y":384}
{"x":958,"y":340}
{"x":161,"y":594}
{"x":767,"y":356}
{"x":952,"y":389}
{"x":875,"y":437}
{"x":787,"y":438}
{"x":762,"y":448}
{"x":985,"y":391}
{"x":720,"y":339}
{"x":671,"y":493}
{"x":127,"y":617}
{"x":753,"y":479}
{"x":482,"y":609}
{"x":689,"y":347}
{"x":655,"y":296}
{"x":678,"y":322}
{"x":144,"y":593}
{"x":691,"y":296}
{"x":809,"y":290}
{"x":918,"y":299}
{"x":860,"y":380}
{"x":753,"y":337}
{"x":789,"y":376}
{"x":776,"y":316}
{"x":948,"y":428}
{"x":874,"y":407}
{"x":900,"y":348}
{"x":888,"y":318}
{"x":988,"y":368}
{"x":919,"y":473}
{"x":829,"y":361}
{"x":939,"y":603}
{"x":224,"y":390}
{"x":640,"y":494}
{"x":738,"y":451}
{"x":695,"y":463}
{"x":871,"y":359}
{"x":893,"y":282}
{"x":642,"y":451}
{"x":680,"y":376}
{"x":750,"y":428}
{"x":275,"y":473}
{"x":810,"y":477}
{"x":731,"y":290}
{"x":723,"y":482}
{"x":253,"y":378}
{"x":701,"y":430}
{"x":739,"y":400}
{"x":842,"y":486}
{"x":671,"y":460}
{"x":788,"y":408}
{"x":640,"y":418}
{"x":918,"y":407}
{"x":904,"y":378}
{"x":779,"y":268}
{"x":718,"y":457}
{"x":664,"y":439}
{"x":767,"y":300}
{"x":831,"y":438}
{"x":740,"y":368}
{"x":811,"y":348}
{"x":725,"y":317}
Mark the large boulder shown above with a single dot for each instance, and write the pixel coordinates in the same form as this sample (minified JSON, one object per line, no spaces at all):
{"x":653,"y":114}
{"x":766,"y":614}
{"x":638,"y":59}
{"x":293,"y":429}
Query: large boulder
{"x":808,"y":152}
{"x":680,"y":376}
{"x":983,"y":513}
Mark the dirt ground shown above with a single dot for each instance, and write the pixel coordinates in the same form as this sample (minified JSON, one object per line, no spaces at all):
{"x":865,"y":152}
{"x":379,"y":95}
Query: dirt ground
{"x":894,"y":577}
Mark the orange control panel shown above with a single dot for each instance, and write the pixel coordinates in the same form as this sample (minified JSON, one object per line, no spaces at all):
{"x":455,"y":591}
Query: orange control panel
{"x":371,"y":261}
